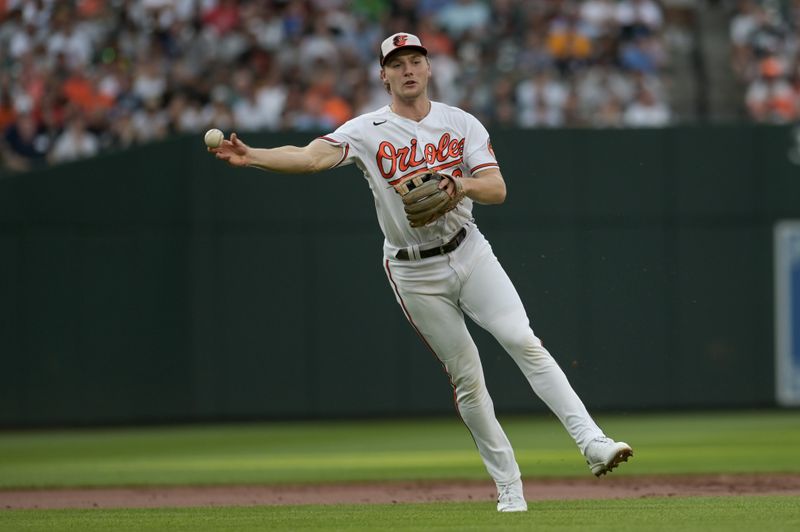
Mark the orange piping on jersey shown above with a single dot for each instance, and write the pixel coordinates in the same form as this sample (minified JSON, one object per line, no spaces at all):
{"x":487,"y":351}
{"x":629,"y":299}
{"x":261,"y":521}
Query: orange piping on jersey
{"x":425,"y":341}
{"x":482,"y":166}
{"x":338,"y":143}
{"x":344,"y":156}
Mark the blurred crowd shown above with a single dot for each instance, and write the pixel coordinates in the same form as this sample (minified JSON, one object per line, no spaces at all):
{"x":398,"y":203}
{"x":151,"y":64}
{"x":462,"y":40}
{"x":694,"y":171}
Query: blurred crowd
{"x":80,"y":77}
{"x":766,"y":58}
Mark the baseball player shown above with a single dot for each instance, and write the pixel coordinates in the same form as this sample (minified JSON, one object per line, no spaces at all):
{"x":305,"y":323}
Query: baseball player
{"x":426,"y":164}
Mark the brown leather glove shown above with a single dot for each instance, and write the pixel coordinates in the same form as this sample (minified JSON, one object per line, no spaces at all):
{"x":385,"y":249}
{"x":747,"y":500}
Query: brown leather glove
{"x":426,"y":202}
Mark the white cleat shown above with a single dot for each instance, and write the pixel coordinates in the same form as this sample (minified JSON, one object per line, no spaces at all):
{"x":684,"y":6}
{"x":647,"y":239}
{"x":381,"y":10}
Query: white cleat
{"x":510,"y":498}
{"x":604,"y":454}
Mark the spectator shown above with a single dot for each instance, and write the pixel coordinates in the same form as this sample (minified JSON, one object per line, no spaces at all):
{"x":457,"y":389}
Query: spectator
{"x":75,"y":46}
{"x":764,"y":53}
{"x":329,"y":106}
{"x":222,"y":17}
{"x":638,"y":17}
{"x":608,"y":114}
{"x":599,"y":18}
{"x":541,"y":100}
{"x":502,"y":111}
{"x":642,"y":54}
{"x":75,"y":142}
{"x":769,"y":34}
{"x":25,"y":144}
{"x":149,"y":81}
{"x":742,"y":25}
{"x":150,"y":122}
{"x":771,"y":97}
{"x":646,"y":111}
{"x":534,"y":55}
{"x":82,"y":92}
{"x":601,"y":83}
{"x":23,"y":40}
{"x":271,"y":100}
{"x":568,"y":42}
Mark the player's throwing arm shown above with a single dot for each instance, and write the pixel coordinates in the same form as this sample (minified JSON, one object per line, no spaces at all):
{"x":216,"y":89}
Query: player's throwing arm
{"x":315,"y":157}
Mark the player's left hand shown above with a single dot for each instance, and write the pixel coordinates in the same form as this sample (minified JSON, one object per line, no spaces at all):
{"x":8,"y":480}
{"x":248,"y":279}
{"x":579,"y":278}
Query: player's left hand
{"x":448,"y":185}
{"x":432,"y":199}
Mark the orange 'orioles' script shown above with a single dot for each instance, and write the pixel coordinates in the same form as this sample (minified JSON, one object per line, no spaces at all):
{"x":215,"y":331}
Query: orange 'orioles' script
{"x":392,"y":159}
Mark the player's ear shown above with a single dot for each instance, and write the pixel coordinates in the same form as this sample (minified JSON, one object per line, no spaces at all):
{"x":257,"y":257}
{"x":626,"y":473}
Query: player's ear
{"x":385,"y":83}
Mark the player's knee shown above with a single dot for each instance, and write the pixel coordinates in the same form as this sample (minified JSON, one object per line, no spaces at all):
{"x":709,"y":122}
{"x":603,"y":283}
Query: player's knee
{"x":527,"y":350}
{"x":517,"y":339}
{"x":470,"y":390}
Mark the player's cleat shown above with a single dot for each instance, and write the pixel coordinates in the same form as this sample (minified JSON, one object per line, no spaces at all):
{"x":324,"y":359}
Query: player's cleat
{"x":510,"y":498}
{"x":604,"y":454}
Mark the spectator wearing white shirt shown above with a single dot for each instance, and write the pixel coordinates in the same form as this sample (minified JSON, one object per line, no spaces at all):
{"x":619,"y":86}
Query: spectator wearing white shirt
{"x":646,"y":111}
{"x":639,"y":17}
{"x":76,"y":46}
{"x":599,"y":17}
{"x":541,"y":100}
{"x":271,"y":100}
{"x":742,"y":25}
{"x":75,"y":142}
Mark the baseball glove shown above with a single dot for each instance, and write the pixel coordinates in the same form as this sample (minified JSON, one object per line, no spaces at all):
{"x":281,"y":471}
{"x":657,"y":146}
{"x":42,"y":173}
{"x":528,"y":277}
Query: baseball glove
{"x":426,"y":202}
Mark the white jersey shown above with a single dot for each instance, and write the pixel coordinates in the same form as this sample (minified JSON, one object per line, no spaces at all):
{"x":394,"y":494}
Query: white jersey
{"x":390,"y":149}
{"x":436,"y":293}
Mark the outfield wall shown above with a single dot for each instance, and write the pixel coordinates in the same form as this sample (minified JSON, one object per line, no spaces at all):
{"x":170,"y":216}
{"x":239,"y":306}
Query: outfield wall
{"x":159,"y":284}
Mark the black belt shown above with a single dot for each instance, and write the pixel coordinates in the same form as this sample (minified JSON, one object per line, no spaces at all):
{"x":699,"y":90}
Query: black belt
{"x":441,"y":250}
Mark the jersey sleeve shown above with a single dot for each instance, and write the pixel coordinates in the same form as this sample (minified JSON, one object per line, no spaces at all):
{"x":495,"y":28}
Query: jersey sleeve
{"x":478,"y":152}
{"x":348,"y":137}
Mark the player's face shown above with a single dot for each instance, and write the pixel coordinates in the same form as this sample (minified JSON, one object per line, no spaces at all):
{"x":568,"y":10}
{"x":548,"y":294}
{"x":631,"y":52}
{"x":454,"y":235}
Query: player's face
{"x":407,"y":72}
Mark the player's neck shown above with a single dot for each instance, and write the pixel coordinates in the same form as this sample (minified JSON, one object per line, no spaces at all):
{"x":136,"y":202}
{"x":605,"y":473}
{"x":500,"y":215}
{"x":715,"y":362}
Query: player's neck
{"x":415,"y":109}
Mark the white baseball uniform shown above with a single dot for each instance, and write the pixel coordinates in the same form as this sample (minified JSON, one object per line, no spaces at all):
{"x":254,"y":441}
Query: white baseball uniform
{"x":435,"y":292}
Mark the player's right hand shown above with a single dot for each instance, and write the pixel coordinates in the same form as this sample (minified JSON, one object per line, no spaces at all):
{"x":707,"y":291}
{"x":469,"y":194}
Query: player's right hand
{"x":233,"y":151}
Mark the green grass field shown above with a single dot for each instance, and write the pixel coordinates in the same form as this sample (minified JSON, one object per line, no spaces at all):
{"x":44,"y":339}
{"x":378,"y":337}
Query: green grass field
{"x":700,"y":513}
{"x":695,"y":443}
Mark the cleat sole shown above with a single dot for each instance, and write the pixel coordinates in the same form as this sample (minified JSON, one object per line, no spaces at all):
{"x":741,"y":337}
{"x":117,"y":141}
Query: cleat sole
{"x":621,"y":456}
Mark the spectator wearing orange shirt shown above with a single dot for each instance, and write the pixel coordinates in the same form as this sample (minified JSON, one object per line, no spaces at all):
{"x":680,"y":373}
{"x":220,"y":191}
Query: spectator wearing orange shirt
{"x":81,"y":91}
{"x":770,"y":97}
{"x":568,"y":42}
{"x":330,"y":104}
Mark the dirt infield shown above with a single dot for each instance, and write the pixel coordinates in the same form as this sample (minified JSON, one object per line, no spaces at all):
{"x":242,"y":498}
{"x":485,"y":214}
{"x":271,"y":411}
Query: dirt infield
{"x":399,"y":492}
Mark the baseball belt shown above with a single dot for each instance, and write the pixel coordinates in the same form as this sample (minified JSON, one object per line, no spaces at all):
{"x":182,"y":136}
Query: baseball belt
{"x":438,"y":250}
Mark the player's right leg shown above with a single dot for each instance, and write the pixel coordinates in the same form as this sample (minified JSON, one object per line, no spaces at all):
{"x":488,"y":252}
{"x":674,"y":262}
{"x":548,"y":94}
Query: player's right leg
{"x":427,"y":293}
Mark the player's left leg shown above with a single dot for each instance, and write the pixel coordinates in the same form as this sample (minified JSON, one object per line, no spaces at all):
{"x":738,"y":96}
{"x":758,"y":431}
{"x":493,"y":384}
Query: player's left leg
{"x":490,"y":299}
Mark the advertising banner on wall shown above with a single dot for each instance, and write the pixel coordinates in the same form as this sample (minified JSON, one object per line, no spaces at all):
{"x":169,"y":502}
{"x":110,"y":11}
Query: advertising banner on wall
{"x":787,"y":313}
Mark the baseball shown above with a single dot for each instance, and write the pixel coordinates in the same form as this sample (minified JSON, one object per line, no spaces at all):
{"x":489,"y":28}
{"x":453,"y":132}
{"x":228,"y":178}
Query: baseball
{"x":214,"y":138}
